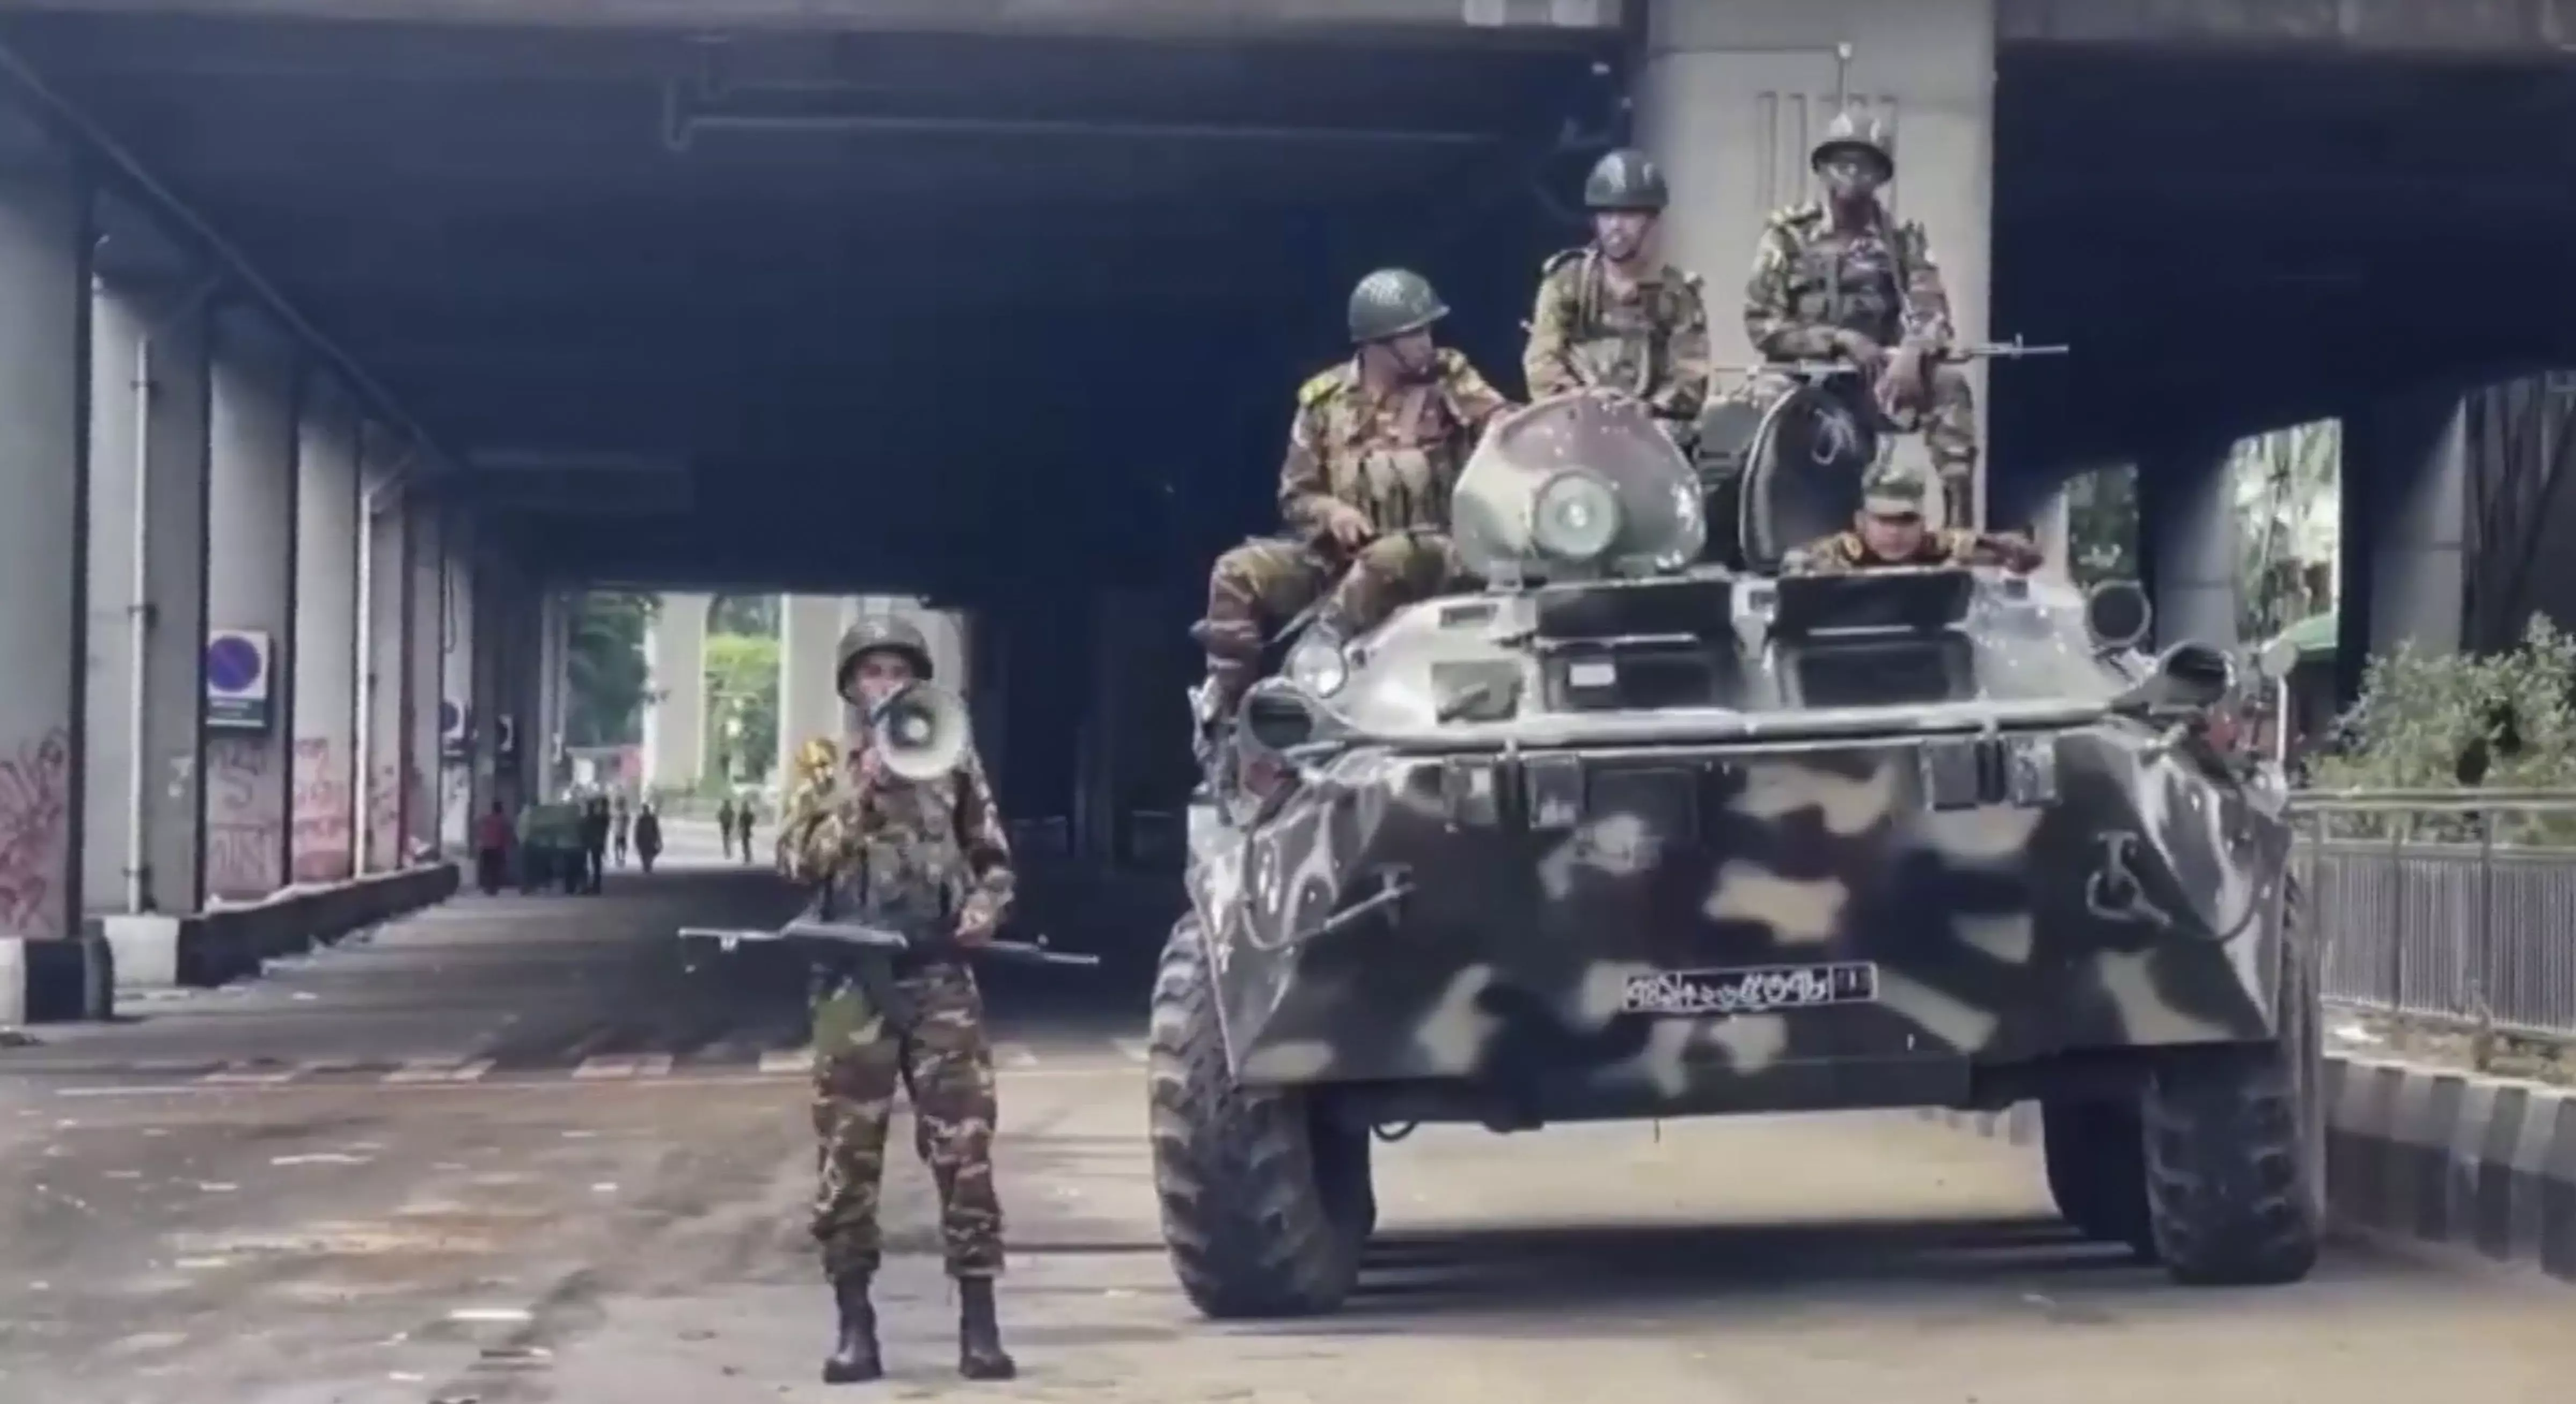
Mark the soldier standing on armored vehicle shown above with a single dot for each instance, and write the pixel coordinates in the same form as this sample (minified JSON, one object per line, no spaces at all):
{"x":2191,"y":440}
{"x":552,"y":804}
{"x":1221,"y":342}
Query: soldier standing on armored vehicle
{"x":1841,"y":278}
{"x":1373,"y":452}
{"x":1611,"y":315}
{"x":1888,"y":531}
{"x":882,"y":843}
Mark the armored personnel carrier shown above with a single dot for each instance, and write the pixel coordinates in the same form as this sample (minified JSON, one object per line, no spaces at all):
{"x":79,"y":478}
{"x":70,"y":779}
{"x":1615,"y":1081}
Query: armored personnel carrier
{"x":1627,"y":835}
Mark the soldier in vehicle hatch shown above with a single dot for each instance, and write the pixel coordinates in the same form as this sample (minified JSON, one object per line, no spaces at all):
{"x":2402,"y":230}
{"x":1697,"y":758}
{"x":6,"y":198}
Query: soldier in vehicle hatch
{"x":1614,"y":316}
{"x":1373,"y":451}
{"x":880,"y":840}
{"x":1840,"y":278}
{"x":1888,"y":531}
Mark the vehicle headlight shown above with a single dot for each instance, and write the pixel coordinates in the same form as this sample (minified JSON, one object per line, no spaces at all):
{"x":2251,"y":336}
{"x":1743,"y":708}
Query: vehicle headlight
{"x":1318,"y":665}
{"x":1575,"y":516}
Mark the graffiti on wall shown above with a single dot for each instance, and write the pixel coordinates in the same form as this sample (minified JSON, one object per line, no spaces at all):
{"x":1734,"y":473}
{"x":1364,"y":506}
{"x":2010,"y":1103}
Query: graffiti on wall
{"x":245,"y":818}
{"x":384,"y":816}
{"x":35,"y":828}
{"x":323,"y":810}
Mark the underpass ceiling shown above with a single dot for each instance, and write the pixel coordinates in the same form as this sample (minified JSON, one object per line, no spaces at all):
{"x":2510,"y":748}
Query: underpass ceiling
{"x":510,"y":231}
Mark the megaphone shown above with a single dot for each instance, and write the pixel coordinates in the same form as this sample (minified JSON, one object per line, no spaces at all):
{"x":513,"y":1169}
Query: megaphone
{"x":921,"y":732}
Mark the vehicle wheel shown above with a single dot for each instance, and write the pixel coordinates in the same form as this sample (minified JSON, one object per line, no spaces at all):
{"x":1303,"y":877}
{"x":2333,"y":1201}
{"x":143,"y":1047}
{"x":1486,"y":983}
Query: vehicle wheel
{"x":2236,"y":1144}
{"x":1241,"y":1175}
{"x":2097,"y":1170}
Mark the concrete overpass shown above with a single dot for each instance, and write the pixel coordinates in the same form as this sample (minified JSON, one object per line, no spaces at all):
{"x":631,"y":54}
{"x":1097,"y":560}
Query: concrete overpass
{"x":445,"y":306}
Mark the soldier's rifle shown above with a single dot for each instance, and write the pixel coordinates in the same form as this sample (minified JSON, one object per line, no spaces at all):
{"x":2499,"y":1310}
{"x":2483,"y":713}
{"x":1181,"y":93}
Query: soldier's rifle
{"x":872,"y":953}
{"x":1955,"y":353}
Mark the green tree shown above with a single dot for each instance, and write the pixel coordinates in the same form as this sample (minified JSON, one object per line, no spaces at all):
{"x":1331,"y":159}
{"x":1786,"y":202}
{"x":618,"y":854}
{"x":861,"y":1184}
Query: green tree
{"x":753,"y":616}
{"x":2419,"y":713}
{"x":605,"y":676}
{"x":2102,"y":525}
{"x":742,"y":705}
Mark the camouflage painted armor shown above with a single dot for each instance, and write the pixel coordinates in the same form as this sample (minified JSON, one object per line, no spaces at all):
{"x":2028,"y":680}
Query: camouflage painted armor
{"x":1650,"y":340}
{"x":1394,"y":456}
{"x":1811,"y":280}
{"x":881,"y":842}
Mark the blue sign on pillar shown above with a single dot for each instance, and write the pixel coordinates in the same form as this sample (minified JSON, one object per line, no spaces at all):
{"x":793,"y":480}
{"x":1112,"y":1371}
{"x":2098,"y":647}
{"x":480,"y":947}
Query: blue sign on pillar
{"x":237,"y":680}
{"x":453,"y":735}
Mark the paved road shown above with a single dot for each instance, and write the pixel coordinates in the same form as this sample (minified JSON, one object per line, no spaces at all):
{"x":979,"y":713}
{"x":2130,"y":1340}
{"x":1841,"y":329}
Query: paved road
{"x":634,"y":1234}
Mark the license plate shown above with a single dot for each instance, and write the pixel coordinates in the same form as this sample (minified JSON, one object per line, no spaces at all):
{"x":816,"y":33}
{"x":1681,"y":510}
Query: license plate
{"x":1757,"y":989}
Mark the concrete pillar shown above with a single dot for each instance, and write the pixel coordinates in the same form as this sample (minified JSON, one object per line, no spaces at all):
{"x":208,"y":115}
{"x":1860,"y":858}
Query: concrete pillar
{"x":250,"y":608}
{"x":386,"y":582}
{"x":2051,"y":530}
{"x":809,"y":629}
{"x":495,"y":597}
{"x":2187,"y":528}
{"x":427,"y":633}
{"x":2406,"y":479}
{"x":324,"y":814}
{"x":1733,"y":96}
{"x":457,"y":719}
{"x":44,"y":287}
{"x":675,"y":712}
{"x":553,"y":621}
{"x":144,"y":844}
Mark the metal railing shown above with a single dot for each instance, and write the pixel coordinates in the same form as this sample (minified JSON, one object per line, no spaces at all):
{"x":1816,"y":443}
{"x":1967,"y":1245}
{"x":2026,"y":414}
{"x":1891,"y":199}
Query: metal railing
{"x":2453,"y":905}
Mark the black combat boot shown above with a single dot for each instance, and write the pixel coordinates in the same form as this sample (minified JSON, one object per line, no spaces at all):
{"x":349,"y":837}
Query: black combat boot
{"x":854,"y":1358}
{"x":979,"y":1334}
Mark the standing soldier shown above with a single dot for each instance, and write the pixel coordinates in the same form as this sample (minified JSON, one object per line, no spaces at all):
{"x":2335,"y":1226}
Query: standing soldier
{"x":1612,"y":315}
{"x":1840,"y":277}
{"x":879,"y":843}
{"x":1889,"y":531}
{"x":1373,"y":452}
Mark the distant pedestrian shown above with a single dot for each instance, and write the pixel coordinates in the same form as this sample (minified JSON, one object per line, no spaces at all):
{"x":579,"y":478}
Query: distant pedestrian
{"x":623,"y":830}
{"x":492,"y":850}
{"x":648,"y":837}
{"x":594,"y":842}
{"x":743,"y":819}
{"x":724,"y":826}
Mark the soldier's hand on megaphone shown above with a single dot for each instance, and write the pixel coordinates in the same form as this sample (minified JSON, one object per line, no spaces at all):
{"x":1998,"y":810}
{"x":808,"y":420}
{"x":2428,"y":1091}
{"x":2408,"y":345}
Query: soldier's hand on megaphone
{"x":975,"y":924}
{"x":1348,"y":524}
{"x":1861,"y":351}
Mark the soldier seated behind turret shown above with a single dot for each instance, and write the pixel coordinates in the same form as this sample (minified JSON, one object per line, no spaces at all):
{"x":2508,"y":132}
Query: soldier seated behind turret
{"x":1888,"y":531}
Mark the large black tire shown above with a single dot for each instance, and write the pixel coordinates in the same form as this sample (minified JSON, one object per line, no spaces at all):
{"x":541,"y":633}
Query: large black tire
{"x":2236,"y":1144}
{"x":1245,"y":1180}
{"x":2097,"y":1170}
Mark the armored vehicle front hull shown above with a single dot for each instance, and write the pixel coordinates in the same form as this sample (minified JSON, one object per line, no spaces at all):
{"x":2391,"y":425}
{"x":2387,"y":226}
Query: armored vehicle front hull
{"x":1568,"y":933}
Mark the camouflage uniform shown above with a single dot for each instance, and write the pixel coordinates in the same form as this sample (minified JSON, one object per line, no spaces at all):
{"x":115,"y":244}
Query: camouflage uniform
{"x":1394,"y":455}
{"x":1649,"y":339}
{"x":1894,"y":492}
{"x":1811,"y":280}
{"x":876,"y":841}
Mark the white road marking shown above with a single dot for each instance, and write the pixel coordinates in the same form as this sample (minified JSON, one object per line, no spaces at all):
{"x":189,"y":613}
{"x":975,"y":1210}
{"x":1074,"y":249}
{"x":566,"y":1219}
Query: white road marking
{"x":784,"y":1061}
{"x":1014,"y":1055}
{"x":622,"y":1066}
{"x":1134,"y":1050}
{"x":438,"y":1070}
{"x":229,"y":1077}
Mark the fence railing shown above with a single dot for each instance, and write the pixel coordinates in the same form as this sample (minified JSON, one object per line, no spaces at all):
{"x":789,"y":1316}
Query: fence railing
{"x":2457,"y":905}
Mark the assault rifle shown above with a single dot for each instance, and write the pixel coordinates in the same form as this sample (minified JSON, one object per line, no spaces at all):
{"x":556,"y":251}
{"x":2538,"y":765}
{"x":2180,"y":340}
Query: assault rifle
{"x":869,"y":952}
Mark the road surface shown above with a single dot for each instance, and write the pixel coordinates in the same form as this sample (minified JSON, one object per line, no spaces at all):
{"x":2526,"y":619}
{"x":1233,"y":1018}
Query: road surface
{"x":508,"y":1151}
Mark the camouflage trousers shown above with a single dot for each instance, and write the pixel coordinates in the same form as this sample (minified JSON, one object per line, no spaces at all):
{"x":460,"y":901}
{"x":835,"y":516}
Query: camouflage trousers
{"x":947,"y":1068}
{"x":1947,"y":420}
{"x":1259,"y":585}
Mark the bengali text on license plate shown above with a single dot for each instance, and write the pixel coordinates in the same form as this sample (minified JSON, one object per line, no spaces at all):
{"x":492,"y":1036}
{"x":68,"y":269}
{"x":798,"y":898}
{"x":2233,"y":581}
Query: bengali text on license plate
{"x":1751,"y":989}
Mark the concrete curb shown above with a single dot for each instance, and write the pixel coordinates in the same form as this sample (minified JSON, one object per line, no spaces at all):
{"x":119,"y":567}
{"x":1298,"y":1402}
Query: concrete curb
{"x":2445,"y":1158}
{"x":223,"y":944}
{"x":48,"y":980}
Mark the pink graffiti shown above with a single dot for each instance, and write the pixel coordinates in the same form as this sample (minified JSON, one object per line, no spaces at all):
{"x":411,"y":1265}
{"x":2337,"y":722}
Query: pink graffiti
{"x":35,"y":814}
{"x":321,"y":811}
{"x":384,"y":815}
{"x":245,"y":818}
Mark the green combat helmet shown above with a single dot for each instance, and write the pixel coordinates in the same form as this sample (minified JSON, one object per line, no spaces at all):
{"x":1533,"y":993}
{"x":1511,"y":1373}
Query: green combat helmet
{"x":1890,"y":491}
{"x":882,"y":633}
{"x":1392,"y":301}
{"x":1625,"y":180}
{"x":1852,"y":133}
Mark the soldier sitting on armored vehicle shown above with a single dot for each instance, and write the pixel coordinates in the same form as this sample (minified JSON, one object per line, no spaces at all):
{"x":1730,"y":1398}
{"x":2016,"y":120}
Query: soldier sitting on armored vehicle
{"x":1889,"y":531}
{"x":1612,"y":315}
{"x":1840,"y":278}
{"x":1373,"y":452}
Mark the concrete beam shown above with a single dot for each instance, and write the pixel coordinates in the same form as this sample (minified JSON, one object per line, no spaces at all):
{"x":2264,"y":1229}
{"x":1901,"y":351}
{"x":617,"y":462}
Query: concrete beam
{"x":2188,"y":530}
{"x":426,"y":637}
{"x":2406,"y":479}
{"x":456,"y":785}
{"x":44,"y":284}
{"x":2532,"y":28}
{"x":809,"y":633}
{"x":385,"y":583}
{"x":1228,"y":19}
{"x":675,"y":716}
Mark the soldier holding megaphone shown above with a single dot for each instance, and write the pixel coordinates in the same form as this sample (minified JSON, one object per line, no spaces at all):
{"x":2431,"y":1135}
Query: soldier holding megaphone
{"x":903,"y":821}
